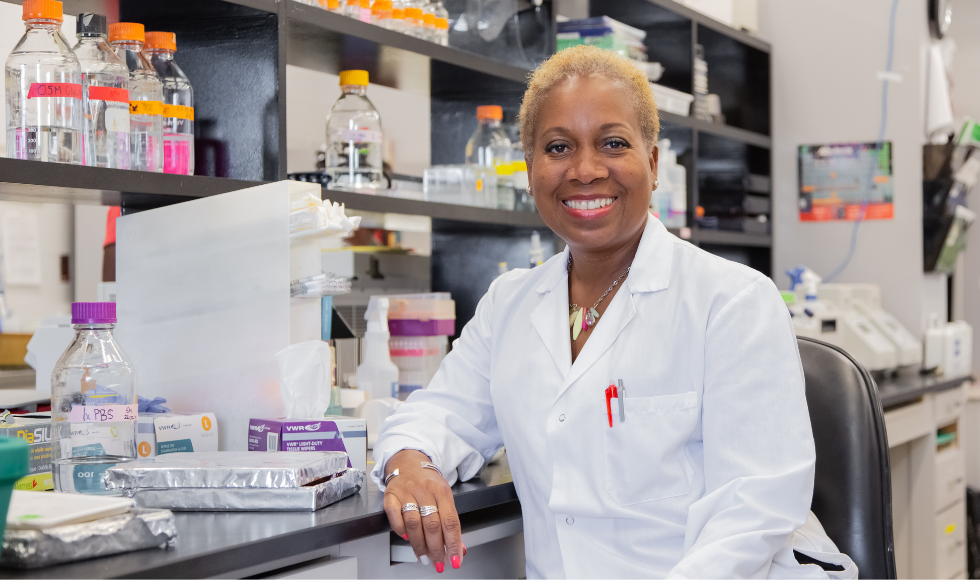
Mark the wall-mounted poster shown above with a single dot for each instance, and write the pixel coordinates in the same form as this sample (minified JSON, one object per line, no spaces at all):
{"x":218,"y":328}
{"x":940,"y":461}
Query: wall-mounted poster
{"x":837,"y":180}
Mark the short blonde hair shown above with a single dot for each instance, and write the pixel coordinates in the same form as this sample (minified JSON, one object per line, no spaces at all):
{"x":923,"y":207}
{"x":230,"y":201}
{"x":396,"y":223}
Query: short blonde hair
{"x":585,"y":61}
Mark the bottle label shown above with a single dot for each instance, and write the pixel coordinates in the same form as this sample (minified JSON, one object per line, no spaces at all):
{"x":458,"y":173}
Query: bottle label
{"x":362,"y":136}
{"x":102,"y":413}
{"x":145,"y":108}
{"x":64,"y":90}
{"x":394,"y":390}
{"x":178,"y":112}
{"x":117,"y":120}
{"x":108,"y":94}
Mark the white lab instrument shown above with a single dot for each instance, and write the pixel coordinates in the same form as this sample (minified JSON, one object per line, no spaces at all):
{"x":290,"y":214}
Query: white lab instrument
{"x":812,"y":317}
{"x":864,"y":300}
{"x":949,"y":348}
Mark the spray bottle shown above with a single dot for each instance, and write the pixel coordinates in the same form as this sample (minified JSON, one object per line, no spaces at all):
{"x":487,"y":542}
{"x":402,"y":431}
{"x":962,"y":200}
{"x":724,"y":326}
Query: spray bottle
{"x":377,"y":375}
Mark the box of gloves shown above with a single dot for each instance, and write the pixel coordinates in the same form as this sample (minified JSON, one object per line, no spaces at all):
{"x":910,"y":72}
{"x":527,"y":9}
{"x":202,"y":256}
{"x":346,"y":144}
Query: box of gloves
{"x":330,"y":433}
{"x":162,"y":433}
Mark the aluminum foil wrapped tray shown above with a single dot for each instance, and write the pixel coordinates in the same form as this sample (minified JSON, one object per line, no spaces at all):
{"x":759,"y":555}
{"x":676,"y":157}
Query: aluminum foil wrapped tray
{"x":137,"y":530}
{"x":305,"y":498}
{"x":226,"y":469}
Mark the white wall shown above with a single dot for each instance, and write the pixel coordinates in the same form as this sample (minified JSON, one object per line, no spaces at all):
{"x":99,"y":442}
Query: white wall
{"x":825,"y":57}
{"x":90,"y":221}
{"x":404,"y":117}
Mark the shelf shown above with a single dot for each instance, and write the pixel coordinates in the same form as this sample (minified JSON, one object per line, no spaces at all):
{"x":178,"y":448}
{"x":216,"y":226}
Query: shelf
{"x":709,"y":22}
{"x":725,"y":238}
{"x":726,"y":131}
{"x":462,"y":214}
{"x":307,"y":25}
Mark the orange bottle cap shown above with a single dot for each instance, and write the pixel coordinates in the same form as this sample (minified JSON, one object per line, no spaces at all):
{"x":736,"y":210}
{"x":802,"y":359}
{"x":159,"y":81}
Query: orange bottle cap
{"x":442,"y":23}
{"x":490,"y":112}
{"x":413,"y":13}
{"x":162,"y":40}
{"x":429,"y":19}
{"x":46,"y":9}
{"x":398,"y":13}
{"x":126,"y":31}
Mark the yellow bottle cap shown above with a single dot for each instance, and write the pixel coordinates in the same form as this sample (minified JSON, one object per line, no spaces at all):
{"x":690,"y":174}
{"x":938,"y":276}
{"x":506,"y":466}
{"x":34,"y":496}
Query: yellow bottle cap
{"x":354,"y":77}
{"x":520,"y":166}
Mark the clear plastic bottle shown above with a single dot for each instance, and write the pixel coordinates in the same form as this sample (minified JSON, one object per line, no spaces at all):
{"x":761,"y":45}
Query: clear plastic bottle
{"x":178,"y":104}
{"x":105,"y":96}
{"x":352,"y":8}
{"x":428,"y":22}
{"x":145,"y":98}
{"x":43,"y":90}
{"x":441,"y":32}
{"x":414,"y":13}
{"x":354,"y":136}
{"x":381,"y":14}
{"x":398,"y":15}
{"x":93,"y":403}
{"x":489,"y":145}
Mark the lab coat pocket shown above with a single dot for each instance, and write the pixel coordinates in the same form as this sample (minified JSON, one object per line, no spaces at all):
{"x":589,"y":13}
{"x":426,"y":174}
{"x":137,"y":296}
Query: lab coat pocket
{"x":646,"y":458}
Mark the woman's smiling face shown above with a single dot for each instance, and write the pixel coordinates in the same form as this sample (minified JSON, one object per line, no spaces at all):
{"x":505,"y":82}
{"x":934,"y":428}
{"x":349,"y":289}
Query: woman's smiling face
{"x":591,"y":173}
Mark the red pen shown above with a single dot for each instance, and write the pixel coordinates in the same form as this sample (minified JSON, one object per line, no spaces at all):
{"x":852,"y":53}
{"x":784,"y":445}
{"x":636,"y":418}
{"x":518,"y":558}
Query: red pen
{"x":611,"y":393}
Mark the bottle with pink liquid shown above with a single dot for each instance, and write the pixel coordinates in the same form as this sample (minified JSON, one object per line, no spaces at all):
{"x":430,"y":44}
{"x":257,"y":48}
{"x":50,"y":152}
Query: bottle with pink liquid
{"x":178,"y":104}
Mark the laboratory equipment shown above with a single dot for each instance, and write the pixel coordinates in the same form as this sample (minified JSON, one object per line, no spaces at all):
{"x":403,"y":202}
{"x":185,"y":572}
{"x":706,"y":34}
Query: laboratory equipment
{"x":414,"y":15}
{"x":864,"y":300}
{"x":506,"y":198}
{"x":417,"y":358}
{"x":461,"y":184}
{"x":13,"y":466}
{"x":671,"y":100}
{"x":604,"y":32}
{"x":93,"y":402}
{"x":489,"y":145}
{"x":428,"y":21}
{"x":105,"y":96}
{"x":178,"y":104}
{"x":536,"y":253}
{"x":145,"y":98}
{"x":373,"y":272}
{"x":381,"y":14}
{"x":43,"y":90}
{"x":948,"y":349}
{"x":440,"y":34}
{"x":377,"y":375}
{"x":354,"y":136}
{"x":398,"y":15}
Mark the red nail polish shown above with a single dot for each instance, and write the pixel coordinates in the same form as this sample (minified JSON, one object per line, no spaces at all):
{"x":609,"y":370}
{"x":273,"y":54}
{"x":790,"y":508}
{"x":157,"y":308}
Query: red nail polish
{"x":455,"y":561}
{"x":440,"y":567}
{"x":405,"y":537}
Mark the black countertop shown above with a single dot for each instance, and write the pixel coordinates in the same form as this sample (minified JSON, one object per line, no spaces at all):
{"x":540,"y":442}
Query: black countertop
{"x":213,"y":544}
{"x":907,"y":387}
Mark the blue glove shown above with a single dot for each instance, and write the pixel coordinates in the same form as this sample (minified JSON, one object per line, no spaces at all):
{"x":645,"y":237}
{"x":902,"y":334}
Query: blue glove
{"x":152,"y":406}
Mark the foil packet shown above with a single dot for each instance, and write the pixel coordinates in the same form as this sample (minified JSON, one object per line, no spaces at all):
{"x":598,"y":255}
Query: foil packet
{"x":137,"y":530}
{"x":226,"y":469}
{"x":306,"y":498}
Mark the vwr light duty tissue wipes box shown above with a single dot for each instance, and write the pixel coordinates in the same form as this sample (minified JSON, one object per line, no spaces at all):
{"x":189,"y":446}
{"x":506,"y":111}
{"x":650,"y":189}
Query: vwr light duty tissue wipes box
{"x":161,"y":433}
{"x":332,"y":433}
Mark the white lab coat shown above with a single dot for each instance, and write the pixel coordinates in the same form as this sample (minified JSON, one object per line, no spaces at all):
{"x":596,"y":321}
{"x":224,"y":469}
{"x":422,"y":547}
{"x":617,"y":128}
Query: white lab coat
{"x":710,"y":475}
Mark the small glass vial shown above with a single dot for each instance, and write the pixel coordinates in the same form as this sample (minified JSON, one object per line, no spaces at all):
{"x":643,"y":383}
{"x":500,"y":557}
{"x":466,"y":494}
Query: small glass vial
{"x":381,"y":14}
{"x":105,"y":96}
{"x":145,"y":98}
{"x":93,"y":403}
{"x":178,"y":104}
{"x":43,"y":83}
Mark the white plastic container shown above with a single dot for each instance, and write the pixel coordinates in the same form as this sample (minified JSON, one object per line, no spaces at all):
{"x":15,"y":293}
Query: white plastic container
{"x":43,"y":83}
{"x":417,"y":358}
{"x":145,"y":98}
{"x":105,"y":96}
{"x":355,"y":138}
{"x":671,"y":100}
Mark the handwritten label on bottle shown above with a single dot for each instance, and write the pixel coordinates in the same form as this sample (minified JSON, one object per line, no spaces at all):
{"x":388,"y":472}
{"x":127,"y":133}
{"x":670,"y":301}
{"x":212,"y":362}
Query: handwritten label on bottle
{"x":145,"y":108}
{"x":102,"y":413}
{"x":362,"y":136}
{"x":64,"y":90}
{"x":108,"y":94}
{"x":178,"y":112}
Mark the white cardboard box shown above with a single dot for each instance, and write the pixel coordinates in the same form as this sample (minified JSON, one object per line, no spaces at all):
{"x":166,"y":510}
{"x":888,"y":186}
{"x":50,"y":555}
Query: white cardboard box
{"x":160,"y":433}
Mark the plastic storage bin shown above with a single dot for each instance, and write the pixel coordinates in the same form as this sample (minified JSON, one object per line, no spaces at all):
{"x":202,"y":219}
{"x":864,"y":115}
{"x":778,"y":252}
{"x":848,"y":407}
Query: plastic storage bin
{"x":13,"y":466}
{"x":422,"y":315}
{"x":671,"y":100}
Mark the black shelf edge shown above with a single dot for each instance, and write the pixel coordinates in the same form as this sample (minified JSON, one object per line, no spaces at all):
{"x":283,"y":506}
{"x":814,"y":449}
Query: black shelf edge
{"x":435,"y":210}
{"x":713,"y":24}
{"x":336,"y":23}
{"x":724,"y":238}
{"x":734,"y":133}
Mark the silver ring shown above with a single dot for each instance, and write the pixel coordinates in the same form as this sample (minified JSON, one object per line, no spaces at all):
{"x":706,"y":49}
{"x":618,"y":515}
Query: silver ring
{"x":410,"y":507}
{"x":391,"y":475}
{"x":427,"y":465}
{"x":428,"y":510}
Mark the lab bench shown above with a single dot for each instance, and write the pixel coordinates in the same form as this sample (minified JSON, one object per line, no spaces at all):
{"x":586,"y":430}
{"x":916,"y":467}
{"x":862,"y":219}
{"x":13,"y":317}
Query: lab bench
{"x":348,"y":539}
{"x":929,"y":440}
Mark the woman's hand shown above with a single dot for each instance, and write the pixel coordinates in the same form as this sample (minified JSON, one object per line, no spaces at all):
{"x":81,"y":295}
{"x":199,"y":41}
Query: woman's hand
{"x":436,"y":537}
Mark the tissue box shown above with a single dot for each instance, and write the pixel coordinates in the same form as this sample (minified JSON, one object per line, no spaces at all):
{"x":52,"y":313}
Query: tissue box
{"x":36,"y":430}
{"x":161,"y":433}
{"x":331,"y":433}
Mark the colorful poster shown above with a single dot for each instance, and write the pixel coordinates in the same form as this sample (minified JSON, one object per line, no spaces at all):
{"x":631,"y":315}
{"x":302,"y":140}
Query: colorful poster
{"x":839,"y":181}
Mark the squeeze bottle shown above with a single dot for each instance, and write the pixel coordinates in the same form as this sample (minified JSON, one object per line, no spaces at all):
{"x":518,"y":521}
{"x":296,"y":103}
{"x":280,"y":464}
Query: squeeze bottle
{"x":377,"y":375}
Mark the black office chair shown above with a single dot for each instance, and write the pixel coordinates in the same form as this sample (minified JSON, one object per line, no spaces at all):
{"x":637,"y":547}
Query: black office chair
{"x":852,"y":494}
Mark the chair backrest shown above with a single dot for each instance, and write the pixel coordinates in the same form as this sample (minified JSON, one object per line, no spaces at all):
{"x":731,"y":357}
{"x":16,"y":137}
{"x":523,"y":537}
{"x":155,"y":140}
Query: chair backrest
{"x":852,"y":494}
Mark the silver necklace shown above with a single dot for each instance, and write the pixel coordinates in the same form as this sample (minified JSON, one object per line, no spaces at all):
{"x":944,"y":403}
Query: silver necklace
{"x":579,"y":318}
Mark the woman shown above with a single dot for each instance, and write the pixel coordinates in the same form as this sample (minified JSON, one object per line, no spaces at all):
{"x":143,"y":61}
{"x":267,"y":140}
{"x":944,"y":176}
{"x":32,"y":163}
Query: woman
{"x":711,"y":472}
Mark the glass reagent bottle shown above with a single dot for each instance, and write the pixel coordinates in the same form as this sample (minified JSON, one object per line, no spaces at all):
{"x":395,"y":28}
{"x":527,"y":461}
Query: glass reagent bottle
{"x":489,"y":145}
{"x":145,"y":98}
{"x":354,"y":137}
{"x":93,"y":403}
{"x":178,"y":104}
{"x":43,"y":82}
